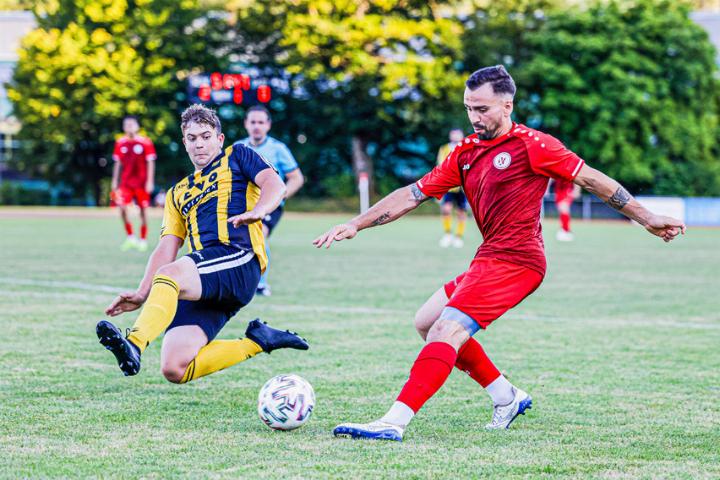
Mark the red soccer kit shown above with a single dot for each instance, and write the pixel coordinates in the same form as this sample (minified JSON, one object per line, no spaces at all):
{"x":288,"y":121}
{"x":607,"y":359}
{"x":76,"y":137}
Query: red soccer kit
{"x":504,"y":179}
{"x":563,"y":191}
{"x":133,"y":155}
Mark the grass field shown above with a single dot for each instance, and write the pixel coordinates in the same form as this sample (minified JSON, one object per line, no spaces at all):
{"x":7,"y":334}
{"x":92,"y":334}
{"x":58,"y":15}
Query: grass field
{"x":619,"y":348}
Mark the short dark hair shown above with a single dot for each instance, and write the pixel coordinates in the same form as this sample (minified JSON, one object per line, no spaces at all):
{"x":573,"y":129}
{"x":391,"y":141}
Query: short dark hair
{"x":131,"y":117}
{"x":496,"y":76}
{"x":199,"y":113}
{"x":258,"y":108}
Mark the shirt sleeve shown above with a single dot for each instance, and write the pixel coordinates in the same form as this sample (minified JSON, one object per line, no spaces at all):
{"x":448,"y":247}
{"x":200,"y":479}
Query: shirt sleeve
{"x":549,"y":157}
{"x":443,"y":177}
{"x":250,"y":162}
{"x":116,"y":151}
{"x":173,"y":222}
{"x":150,"y":154}
{"x":285,"y":160}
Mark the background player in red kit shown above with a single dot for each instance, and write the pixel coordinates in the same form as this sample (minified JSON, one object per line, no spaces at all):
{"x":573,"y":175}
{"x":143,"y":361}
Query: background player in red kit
{"x":504,"y":170}
{"x":133,"y":178}
{"x":565,"y":194}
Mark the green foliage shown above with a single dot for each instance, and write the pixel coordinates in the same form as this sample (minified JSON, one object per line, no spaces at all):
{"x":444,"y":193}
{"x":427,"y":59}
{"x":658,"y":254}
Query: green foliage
{"x":633,"y":88}
{"x":90,"y":62}
{"x":12,"y":193}
{"x":630,"y":85}
{"x":377,"y":71}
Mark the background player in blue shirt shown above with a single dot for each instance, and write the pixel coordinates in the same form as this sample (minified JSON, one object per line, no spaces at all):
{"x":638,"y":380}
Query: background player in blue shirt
{"x":258,"y":123}
{"x":217,"y":209}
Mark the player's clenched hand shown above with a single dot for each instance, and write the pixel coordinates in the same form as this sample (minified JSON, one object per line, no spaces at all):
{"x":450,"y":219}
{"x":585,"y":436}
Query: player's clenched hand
{"x":246,"y":218}
{"x":125,"y":302}
{"x":344,"y":231}
{"x":666,"y":228}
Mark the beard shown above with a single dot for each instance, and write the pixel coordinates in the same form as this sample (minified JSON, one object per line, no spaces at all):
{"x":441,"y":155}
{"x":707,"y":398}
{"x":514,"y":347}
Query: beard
{"x":486,"y":133}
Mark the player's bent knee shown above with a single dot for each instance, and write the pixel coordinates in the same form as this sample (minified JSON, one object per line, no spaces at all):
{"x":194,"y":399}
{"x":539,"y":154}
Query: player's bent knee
{"x":453,"y":327}
{"x":173,"y":372}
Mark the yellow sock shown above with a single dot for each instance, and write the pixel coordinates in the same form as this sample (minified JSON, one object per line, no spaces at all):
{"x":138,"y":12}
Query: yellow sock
{"x":220,"y":354}
{"x":447,"y":223}
{"x":460,"y":231}
{"x":158,"y":312}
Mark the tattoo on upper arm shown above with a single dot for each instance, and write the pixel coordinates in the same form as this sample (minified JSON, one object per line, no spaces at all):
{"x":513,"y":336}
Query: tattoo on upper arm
{"x":619,"y":199}
{"x":418,"y":196}
{"x":381,"y":219}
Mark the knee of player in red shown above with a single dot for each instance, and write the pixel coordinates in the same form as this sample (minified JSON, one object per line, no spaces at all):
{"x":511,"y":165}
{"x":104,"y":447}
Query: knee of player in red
{"x":473,"y":360}
{"x":430,"y":370}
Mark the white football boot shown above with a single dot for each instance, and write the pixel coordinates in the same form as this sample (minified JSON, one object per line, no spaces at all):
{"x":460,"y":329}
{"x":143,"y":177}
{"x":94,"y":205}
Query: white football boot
{"x":563,"y":236}
{"x":458,"y":242}
{"x":376,"y":430}
{"x":130,"y":242}
{"x":446,"y":240}
{"x":503,"y":415}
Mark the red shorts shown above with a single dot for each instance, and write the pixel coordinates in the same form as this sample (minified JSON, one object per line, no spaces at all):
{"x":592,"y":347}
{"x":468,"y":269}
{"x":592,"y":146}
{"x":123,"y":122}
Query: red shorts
{"x":566,"y":198}
{"x":124,"y":196}
{"x":491,"y":287}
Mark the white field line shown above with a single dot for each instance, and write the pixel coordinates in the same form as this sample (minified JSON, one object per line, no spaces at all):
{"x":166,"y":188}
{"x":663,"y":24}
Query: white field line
{"x":90,"y":287}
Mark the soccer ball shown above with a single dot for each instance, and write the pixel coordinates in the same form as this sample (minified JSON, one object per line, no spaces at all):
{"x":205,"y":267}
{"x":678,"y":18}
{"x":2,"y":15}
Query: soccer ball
{"x":286,"y":402}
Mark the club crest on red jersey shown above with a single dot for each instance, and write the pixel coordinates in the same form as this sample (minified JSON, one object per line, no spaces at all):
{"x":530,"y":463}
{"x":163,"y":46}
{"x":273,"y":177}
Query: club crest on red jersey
{"x":502,"y":160}
{"x":138,"y":149}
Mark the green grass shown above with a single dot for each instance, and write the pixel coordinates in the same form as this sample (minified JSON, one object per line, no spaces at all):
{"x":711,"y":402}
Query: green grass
{"x":619,"y":349}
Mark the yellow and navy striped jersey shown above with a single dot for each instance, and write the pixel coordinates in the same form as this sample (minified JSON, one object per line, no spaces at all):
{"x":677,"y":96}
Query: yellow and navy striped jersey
{"x":198,"y":206}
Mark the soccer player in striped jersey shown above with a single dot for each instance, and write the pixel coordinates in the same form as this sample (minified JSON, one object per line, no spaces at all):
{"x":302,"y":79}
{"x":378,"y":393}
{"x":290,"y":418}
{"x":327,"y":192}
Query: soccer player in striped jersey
{"x":218,"y":209}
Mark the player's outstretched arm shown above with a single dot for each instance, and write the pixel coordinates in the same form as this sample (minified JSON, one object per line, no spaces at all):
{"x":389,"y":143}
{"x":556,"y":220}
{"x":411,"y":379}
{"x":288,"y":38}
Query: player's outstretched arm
{"x":165,"y":252}
{"x":390,"y":208}
{"x":272,"y":192}
{"x":612,"y":193}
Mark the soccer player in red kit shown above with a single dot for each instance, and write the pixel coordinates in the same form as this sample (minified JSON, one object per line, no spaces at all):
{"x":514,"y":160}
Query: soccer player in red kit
{"x":565,"y":193}
{"x":504,"y":169}
{"x":133,"y":178}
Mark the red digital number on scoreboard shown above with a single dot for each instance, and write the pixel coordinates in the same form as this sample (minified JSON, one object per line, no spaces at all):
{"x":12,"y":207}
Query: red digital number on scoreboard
{"x":235,"y":84}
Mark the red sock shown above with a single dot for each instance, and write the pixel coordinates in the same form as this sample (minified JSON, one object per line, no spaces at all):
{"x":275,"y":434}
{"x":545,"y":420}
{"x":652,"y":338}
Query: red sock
{"x":128,"y":228}
{"x":473,"y":361}
{"x":430,"y":370}
{"x":143,"y":231}
{"x":565,"y":221}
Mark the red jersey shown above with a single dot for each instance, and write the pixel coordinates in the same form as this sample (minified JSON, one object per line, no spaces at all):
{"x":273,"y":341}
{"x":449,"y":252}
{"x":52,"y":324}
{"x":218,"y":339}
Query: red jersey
{"x":133,"y":155}
{"x":505,"y":179}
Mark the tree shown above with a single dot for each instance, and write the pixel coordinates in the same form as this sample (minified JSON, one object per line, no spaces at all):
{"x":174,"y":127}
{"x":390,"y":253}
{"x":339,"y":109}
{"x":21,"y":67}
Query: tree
{"x":632,"y":87}
{"x":370,"y":76}
{"x":90,"y":62}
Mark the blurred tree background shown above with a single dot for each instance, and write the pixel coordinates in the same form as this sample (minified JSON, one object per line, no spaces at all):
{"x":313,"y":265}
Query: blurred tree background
{"x":374,"y":85}
{"x":90,"y":62}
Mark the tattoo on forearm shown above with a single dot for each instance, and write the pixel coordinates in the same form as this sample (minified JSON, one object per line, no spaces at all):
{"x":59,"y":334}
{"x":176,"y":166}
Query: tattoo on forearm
{"x":619,"y":199}
{"x":381,"y":219}
{"x":418,"y":196}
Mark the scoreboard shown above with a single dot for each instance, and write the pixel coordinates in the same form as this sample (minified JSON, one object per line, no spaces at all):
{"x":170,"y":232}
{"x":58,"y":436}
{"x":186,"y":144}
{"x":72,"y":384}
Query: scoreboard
{"x":227,"y":88}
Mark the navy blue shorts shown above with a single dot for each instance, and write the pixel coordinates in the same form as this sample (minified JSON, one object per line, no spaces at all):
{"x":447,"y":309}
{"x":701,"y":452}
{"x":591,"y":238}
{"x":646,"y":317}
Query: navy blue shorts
{"x":229,"y":278}
{"x":271,"y":220}
{"x":456,"y":198}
